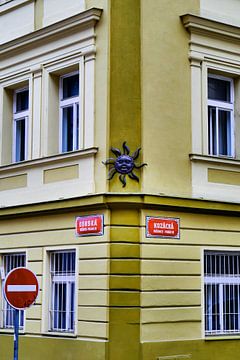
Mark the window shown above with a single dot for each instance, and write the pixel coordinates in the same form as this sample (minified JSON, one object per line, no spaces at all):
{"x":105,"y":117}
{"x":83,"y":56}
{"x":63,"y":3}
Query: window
{"x":11,"y":261}
{"x":20,"y":124}
{"x":220,"y":116}
{"x":63,"y":284}
{"x":222,"y":292}
{"x":69,"y":112}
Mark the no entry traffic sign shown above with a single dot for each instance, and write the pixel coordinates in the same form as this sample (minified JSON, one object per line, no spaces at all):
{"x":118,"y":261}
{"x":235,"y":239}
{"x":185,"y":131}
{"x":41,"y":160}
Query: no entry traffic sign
{"x":21,"y":288}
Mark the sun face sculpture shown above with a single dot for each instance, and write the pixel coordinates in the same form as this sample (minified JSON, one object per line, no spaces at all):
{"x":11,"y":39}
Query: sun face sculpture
{"x":123,"y":164}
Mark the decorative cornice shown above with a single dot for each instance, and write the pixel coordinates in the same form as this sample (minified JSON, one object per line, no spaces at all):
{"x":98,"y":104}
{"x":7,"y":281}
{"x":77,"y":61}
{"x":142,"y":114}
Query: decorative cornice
{"x":208,"y":27}
{"x":84,"y":19}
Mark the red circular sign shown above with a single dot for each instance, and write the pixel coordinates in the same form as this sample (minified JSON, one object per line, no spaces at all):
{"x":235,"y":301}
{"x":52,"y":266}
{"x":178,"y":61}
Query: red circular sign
{"x":21,"y":288}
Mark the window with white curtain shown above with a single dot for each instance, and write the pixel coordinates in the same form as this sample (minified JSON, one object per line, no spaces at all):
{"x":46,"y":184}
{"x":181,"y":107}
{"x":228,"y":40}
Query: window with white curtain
{"x":222,"y":292}
{"x":11,"y":261}
{"x":63,"y":289}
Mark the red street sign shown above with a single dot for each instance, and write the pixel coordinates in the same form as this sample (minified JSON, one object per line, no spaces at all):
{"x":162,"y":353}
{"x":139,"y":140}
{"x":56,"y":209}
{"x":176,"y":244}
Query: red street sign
{"x":21,"y":288}
{"x":89,"y":225}
{"x":162,"y":227}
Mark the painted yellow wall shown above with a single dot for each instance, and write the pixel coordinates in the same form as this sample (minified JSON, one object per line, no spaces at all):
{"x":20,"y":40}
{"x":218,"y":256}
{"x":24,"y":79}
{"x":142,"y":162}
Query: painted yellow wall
{"x":165,"y":83}
{"x":172,"y":274}
{"x":125,"y":93}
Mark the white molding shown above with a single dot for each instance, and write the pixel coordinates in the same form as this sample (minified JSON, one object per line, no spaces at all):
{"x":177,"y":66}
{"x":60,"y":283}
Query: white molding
{"x":214,"y":159}
{"x":86,"y":19}
{"x":9,"y":5}
{"x":73,"y":155}
{"x":206,"y":27}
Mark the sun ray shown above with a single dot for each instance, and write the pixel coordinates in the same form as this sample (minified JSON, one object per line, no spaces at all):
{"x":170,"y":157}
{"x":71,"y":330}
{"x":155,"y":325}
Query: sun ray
{"x":123,"y":179}
{"x":133,"y":176}
{"x":116,"y":151}
{"x":126,"y":149}
{"x":109,"y":161}
{"x":139,"y":166}
{"x":111,"y":173}
{"x":136,"y":153}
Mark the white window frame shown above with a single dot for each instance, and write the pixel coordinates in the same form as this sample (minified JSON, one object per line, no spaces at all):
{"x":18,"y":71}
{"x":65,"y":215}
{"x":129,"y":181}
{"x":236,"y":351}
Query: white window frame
{"x":68,"y":280}
{"x":17,"y":116}
{"x":70,"y":102}
{"x":217,"y":285}
{"x":226,"y":106}
{"x":5,"y":307}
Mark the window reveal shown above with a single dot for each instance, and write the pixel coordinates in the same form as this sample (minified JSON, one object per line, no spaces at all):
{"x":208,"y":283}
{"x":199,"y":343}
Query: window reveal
{"x":20,"y":123}
{"x":69,"y":112}
{"x":222,"y":293}
{"x":220,"y":116}
{"x":62,"y":305}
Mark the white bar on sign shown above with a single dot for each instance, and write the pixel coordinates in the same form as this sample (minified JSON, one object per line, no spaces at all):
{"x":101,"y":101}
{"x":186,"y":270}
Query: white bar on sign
{"x":21,"y":288}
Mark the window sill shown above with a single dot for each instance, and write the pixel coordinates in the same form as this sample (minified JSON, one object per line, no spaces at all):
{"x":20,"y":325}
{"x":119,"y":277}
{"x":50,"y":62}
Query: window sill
{"x":24,"y":165}
{"x":214,"y":159}
{"x":10,"y":331}
{"x":59,"y":334}
{"x":223,"y":337}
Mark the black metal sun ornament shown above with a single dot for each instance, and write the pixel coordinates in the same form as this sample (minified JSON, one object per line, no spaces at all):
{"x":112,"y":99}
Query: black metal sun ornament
{"x":124,"y":164}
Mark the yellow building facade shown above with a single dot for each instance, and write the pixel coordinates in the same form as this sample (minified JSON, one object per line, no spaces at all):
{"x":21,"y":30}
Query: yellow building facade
{"x":83,"y":85}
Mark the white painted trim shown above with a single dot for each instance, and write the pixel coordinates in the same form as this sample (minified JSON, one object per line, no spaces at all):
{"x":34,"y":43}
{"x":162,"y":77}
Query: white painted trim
{"x":9,"y":5}
{"x":85,"y":19}
{"x":73,"y":155}
{"x":221,"y":160}
{"x":18,"y":116}
{"x":64,"y":103}
{"x":47,"y":289}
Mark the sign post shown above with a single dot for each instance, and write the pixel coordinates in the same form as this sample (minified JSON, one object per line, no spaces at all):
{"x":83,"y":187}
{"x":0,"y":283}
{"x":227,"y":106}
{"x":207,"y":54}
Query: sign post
{"x":20,"y":291}
{"x":16,"y":330}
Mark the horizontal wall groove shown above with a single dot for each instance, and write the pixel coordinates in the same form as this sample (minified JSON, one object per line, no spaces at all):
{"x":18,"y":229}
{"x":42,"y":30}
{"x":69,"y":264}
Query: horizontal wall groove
{"x":93,"y":321}
{"x":171,"y":322}
{"x":170,"y":259}
{"x":149,"y":307}
{"x":182,"y":291}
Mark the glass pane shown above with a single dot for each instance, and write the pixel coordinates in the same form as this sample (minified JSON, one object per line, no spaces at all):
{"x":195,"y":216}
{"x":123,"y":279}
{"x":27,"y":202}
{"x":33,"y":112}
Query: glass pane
{"x":219,"y":89}
{"x":59,"y":307}
{"x":72,"y":305}
{"x":67,"y":129}
{"x":212,"y":131}
{"x":70,"y":86}
{"x":212,"y":308}
{"x":231,"y":308}
{"x":77,"y":128}
{"x":224,"y":121}
{"x":20,"y":140}
{"x":22,"y":100}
